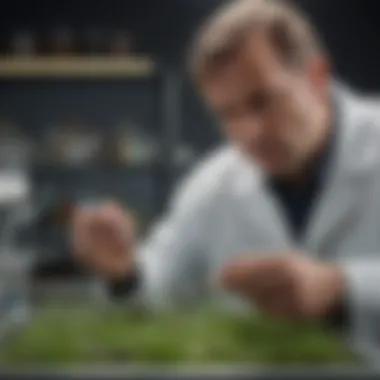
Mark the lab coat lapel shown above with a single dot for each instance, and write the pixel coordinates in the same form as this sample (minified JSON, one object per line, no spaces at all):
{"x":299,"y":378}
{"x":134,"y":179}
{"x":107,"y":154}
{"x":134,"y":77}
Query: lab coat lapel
{"x":261,"y":211}
{"x":340,"y":205}
{"x":338,"y":209}
{"x":273,"y":222}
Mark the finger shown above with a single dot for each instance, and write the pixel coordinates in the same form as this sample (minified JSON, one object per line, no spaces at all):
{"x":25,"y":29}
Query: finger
{"x":254,"y":275}
{"x":235,"y":273}
{"x":82,"y":219}
{"x":114,"y":208}
{"x":85,"y":235}
{"x":112,"y":223}
{"x":276,"y":300}
{"x":276,"y":307}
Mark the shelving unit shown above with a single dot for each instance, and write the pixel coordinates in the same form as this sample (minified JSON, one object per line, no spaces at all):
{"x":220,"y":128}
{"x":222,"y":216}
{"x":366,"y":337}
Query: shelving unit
{"x":36,"y":89}
{"x":76,"y":67}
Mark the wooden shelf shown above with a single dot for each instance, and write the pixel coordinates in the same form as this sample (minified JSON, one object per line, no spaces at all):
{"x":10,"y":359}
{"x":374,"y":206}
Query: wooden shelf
{"x":76,"y":67}
{"x":60,"y":169}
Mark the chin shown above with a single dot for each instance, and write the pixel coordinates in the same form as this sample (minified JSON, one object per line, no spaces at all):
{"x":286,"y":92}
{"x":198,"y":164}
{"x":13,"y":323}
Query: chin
{"x":272,"y":167}
{"x":277,"y":169}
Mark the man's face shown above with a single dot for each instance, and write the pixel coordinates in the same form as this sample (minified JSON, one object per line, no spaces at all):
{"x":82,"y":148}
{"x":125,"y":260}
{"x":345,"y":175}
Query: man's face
{"x":274,"y":114}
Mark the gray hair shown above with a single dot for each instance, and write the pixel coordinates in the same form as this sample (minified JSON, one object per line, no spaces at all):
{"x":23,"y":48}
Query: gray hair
{"x":287,"y":28}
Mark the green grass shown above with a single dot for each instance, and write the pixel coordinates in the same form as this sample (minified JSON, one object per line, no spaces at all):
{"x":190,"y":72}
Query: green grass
{"x":85,"y":336}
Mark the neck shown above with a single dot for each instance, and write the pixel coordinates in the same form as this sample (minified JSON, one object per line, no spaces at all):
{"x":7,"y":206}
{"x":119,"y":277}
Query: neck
{"x":320,"y":145}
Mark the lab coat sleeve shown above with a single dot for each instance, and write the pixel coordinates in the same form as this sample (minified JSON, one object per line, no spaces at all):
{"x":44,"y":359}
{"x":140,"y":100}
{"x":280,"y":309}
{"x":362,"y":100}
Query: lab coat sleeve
{"x":363,"y":301}
{"x":173,"y":258}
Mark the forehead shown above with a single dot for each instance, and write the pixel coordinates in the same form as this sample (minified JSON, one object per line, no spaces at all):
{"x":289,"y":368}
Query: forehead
{"x":255,"y":66}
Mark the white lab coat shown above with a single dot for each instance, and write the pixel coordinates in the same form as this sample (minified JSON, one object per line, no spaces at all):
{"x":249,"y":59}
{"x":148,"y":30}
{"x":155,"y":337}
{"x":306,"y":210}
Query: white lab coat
{"x":222,"y":211}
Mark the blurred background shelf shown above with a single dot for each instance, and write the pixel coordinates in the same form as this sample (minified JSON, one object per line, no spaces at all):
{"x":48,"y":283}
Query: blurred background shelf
{"x":77,"y":67}
{"x":102,"y":169}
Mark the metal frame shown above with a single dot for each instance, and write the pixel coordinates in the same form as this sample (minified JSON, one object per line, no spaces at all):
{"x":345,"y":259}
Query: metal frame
{"x":158,"y":373}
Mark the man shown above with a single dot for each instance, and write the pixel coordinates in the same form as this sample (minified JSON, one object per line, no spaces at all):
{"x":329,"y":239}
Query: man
{"x":286,"y":216}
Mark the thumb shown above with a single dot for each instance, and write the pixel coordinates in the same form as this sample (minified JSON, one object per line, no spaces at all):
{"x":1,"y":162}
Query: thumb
{"x":237,"y":274}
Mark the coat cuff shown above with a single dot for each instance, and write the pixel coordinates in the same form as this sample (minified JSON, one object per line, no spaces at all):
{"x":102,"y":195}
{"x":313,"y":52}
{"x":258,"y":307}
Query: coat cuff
{"x":363,"y":297}
{"x":363,"y":284}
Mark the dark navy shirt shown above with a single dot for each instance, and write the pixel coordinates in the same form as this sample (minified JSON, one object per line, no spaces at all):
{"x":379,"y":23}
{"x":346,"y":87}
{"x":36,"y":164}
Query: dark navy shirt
{"x":299,"y":199}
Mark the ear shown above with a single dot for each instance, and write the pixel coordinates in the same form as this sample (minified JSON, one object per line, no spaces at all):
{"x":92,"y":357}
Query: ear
{"x":319,"y":74}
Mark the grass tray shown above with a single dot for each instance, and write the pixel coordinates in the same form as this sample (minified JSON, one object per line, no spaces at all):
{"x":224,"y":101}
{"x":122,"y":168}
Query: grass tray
{"x":114,"y":336}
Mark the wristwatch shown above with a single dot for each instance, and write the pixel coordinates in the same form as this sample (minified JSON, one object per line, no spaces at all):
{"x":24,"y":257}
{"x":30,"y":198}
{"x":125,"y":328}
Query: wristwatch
{"x":127,"y":286}
{"x":339,"y":317}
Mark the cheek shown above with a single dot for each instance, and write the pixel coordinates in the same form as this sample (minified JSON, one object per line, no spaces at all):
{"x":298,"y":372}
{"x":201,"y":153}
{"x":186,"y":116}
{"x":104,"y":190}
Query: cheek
{"x":304,"y":102}
{"x":281,"y":122}
{"x":293,"y":117}
{"x":241,"y":130}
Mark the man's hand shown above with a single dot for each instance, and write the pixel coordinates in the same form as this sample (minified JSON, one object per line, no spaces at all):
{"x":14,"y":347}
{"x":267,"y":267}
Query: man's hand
{"x":292,"y":286}
{"x":103,"y":239}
